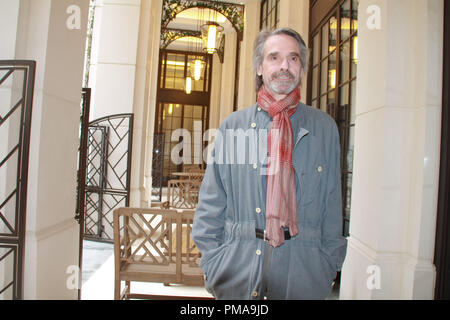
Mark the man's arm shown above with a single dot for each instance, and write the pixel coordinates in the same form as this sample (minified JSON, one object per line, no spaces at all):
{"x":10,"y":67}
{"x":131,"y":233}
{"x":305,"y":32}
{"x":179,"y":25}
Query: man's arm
{"x":209,"y":219}
{"x":333,"y":243}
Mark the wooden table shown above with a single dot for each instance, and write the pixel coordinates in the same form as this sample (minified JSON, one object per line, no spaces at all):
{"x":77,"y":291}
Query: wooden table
{"x":188,"y":174}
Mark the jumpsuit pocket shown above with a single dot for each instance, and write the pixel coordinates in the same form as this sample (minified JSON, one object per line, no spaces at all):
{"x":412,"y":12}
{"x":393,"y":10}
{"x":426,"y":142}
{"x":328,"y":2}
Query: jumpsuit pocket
{"x":228,"y":274}
{"x":309,"y":184}
{"x":211,"y":267}
{"x":310,"y":275}
{"x":328,"y":267}
{"x":309,"y":166}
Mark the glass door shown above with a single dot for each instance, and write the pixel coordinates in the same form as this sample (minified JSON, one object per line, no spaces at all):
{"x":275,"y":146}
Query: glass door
{"x":332,"y":80}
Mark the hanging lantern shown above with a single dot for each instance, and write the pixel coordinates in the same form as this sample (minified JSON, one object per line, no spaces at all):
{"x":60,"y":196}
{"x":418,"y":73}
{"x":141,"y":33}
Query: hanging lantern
{"x":188,"y":85}
{"x":211,"y":34}
{"x":197,"y":68}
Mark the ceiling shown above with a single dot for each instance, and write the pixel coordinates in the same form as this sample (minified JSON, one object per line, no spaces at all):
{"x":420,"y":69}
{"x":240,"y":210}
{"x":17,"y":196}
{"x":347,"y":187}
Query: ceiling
{"x":191,"y":19}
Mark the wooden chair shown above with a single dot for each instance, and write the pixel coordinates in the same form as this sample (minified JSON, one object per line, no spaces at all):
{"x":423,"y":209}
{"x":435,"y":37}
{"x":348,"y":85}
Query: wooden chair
{"x":182,"y":194}
{"x":154,"y":245}
{"x":196,"y":171}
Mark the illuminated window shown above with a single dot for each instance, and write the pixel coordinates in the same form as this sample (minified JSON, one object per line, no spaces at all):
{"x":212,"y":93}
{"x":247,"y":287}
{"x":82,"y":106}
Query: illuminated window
{"x":178,"y":110}
{"x":332,"y":77}
{"x":270,"y":14}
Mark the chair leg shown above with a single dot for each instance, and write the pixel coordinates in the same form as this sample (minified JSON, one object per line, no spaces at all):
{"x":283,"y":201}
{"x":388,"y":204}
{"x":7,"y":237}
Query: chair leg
{"x":117,"y":289}
{"x":128,"y":289}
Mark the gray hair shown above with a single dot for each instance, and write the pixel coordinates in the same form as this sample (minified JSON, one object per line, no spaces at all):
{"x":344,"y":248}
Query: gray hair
{"x":258,"y":52}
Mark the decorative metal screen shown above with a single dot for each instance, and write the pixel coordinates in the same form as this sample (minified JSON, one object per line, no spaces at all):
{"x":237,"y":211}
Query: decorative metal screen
{"x":157,"y":166}
{"x":108,"y":164}
{"x":16,"y":95}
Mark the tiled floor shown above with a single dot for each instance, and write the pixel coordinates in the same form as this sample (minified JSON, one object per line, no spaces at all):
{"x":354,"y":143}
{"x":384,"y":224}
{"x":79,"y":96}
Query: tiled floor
{"x":95,"y":254}
{"x":98,"y":277}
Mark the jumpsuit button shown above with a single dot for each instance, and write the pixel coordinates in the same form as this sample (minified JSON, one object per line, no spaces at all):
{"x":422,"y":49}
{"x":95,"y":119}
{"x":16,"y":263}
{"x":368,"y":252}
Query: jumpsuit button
{"x":253,"y":125}
{"x":319,"y":169}
{"x":258,"y":252}
{"x":255,"y":293}
{"x":255,"y":166}
{"x":258,"y":210}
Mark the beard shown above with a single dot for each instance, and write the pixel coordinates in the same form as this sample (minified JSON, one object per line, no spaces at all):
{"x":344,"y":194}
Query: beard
{"x":283,"y":82}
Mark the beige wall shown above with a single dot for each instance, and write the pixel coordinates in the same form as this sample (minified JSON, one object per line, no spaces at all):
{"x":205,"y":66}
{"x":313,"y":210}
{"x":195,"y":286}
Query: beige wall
{"x":397,"y":146}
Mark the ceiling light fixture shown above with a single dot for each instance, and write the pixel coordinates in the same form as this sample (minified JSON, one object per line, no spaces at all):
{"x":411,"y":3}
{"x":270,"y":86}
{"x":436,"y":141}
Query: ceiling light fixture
{"x":211,"y":34}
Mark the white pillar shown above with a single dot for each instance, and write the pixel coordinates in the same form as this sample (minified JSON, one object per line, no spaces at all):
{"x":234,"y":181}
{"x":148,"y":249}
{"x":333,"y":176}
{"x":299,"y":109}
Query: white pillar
{"x":216,"y":83}
{"x":247,"y":93}
{"x":397,"y":147}
{"x":140,"y":108}
{"x":117,"y":73}
{"x":151,"y":87}
{"x":294,"y":14}
{"x":228,"y":78}
{"x":53,"y":33}
{"x":113,"y":57}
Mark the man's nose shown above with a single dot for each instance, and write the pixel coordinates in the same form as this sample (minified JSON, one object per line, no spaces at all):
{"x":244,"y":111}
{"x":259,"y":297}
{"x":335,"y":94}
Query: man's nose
{"x":284,"y":64}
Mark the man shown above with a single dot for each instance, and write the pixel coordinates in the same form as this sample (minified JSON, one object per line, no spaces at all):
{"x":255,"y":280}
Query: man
{"x":272,"y":229}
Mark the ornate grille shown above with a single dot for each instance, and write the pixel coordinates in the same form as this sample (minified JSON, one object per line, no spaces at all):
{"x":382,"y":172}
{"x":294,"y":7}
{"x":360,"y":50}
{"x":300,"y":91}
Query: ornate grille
{"x":108,"y":164}
{"x":16,"y":95}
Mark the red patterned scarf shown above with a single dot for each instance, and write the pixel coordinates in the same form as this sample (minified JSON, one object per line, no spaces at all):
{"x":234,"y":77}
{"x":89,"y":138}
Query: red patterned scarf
{"x":281,"y":203}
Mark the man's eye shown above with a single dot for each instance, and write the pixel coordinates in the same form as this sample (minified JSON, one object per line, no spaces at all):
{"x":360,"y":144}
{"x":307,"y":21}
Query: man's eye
{"x":273,"y":58}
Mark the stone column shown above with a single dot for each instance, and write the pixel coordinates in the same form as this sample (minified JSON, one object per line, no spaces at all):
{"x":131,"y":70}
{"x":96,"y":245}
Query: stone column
{"x":397,"y":145}
{"x":216,"y":84}
{"x":294,"y":14}
{"x":113,"y":57}
{"x":144,"y":91}
{"x":53,"y":33}
{"x":117,"y":73}
{"x":247,"y":94}
{"x":151,"y":87}
{"x":228,"y":78}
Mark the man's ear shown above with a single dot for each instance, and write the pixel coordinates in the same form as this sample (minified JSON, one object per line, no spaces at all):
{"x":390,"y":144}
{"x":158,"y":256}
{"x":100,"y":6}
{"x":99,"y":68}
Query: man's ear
{"x":259,"y":71}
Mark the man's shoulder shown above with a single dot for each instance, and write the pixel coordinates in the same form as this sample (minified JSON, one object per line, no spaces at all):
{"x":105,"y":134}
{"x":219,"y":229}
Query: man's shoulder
{"x":238,"y":119}
{"x":315,"y":113}
{"x":316,"y":117}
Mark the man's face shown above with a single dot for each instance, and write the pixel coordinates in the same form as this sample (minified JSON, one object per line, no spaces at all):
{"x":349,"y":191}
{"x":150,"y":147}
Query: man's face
{"x":281,"y":67}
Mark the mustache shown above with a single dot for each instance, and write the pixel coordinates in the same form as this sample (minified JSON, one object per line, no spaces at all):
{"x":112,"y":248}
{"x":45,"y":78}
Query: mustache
{"x":283,"y":74}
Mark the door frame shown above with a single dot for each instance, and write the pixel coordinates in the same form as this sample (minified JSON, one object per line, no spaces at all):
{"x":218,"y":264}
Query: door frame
{"x":442,"y":245}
